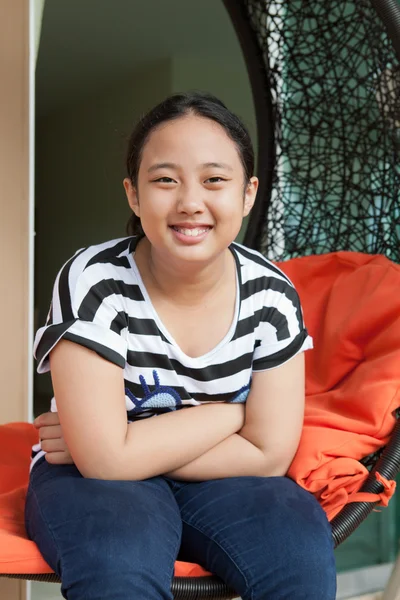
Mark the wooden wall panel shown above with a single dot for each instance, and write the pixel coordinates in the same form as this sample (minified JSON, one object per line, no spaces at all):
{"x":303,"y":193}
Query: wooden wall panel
{"x":14,"y":209}
{"x":14,"y":224}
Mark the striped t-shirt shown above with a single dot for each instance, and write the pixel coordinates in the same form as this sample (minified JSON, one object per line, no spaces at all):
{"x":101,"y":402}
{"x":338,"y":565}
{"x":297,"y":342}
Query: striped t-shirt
{"x":100,"y":301}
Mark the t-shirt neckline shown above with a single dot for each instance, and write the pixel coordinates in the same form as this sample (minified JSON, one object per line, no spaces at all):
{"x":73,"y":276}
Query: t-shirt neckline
{"x":226,"y":339}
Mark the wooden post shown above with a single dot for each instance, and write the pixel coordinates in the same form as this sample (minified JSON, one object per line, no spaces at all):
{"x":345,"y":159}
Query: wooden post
{"x":14,"y":225}
{"x":14,"y":210}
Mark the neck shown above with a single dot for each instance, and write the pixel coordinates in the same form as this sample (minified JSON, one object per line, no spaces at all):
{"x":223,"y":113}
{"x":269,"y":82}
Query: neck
{"x":182,"y":284}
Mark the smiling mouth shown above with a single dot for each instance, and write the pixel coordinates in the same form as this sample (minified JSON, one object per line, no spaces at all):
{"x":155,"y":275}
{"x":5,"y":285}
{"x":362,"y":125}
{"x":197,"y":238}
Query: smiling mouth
{"x":192,"y":231}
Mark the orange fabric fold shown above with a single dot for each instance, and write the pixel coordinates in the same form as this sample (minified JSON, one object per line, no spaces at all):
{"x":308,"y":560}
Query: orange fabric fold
{"x":352,"y":309}
{"x":389,"y":487}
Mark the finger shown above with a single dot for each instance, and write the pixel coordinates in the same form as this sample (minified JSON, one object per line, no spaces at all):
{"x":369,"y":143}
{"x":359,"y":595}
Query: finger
{"x":58,"y":445}
{"x":46,"y":419}
{"x":59,"y":458}
{"x":50,"y":432}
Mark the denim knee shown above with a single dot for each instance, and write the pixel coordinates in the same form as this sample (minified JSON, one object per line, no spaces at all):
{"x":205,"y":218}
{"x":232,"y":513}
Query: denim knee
{"x":306,"y":568}
{"x":311,"y":562}
{"x":266,"y":537}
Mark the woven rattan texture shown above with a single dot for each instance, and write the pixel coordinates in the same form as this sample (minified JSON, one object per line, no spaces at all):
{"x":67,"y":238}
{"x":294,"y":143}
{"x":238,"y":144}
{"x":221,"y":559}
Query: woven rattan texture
{"x":335,"y":85}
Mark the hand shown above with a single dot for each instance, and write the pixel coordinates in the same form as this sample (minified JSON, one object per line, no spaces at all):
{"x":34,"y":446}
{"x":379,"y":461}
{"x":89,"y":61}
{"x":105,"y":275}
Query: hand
{"x":52,"y":441}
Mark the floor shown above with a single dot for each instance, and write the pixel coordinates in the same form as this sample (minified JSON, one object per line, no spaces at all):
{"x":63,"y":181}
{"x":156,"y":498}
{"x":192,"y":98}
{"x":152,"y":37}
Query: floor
{"x":369,"y":597}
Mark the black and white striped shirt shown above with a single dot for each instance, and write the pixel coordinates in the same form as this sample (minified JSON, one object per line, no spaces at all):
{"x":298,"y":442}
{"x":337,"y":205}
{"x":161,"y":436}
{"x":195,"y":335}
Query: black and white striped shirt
{"x":100,"y":301}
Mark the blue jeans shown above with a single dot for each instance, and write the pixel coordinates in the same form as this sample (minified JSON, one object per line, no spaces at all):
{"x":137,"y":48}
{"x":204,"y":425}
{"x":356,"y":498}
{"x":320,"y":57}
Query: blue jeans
{"x":265,"y":537}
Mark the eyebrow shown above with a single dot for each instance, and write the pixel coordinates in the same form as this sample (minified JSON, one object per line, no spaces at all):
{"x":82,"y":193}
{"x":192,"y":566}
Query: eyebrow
{"x":168,"y":165}
{"x":217,"y":165}
{"x":163,"y":165}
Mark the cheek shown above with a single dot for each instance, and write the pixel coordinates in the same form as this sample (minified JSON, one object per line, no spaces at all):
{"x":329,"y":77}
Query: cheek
{"x":155,"y":203}
{"x":229,"y":204}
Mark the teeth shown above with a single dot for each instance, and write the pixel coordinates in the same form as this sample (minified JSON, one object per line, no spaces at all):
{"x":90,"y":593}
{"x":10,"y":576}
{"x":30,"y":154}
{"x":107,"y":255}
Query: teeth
{"x":191,"y":232}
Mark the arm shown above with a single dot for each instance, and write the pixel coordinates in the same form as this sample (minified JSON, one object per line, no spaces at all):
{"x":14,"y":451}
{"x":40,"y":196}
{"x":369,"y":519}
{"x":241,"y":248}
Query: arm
{"x":267,"y":443}
{"x":91,"y":405}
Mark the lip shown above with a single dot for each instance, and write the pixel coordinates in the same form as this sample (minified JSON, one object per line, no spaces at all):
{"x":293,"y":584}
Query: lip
{"x":191,"y":225}
{"x":189,"y":240}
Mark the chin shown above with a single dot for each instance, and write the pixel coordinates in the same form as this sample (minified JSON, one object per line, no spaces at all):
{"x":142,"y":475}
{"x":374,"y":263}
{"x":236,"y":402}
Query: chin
{"x":195,"y":254}
{"x":203,"y":252}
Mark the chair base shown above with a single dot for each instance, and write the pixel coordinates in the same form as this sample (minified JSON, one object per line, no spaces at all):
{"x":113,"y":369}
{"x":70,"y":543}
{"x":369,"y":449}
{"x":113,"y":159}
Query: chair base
{"x":183,"y":588}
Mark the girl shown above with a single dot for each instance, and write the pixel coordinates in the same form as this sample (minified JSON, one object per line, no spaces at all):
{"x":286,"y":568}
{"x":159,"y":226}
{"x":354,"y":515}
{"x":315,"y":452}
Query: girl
{"x":179,"y":323}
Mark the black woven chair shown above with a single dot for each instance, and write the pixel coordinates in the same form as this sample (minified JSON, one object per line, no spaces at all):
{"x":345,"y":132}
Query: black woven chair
{"x":326,"y":87}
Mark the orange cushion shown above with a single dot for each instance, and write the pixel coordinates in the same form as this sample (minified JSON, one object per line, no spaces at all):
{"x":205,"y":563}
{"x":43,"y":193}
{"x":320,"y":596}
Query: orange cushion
{"x":351,"y":307}
{"x":18,"y":554}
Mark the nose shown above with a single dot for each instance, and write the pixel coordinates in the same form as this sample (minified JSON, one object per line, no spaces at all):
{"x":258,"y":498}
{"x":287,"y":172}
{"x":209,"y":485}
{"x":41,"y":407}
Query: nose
{"x":190,"y":199}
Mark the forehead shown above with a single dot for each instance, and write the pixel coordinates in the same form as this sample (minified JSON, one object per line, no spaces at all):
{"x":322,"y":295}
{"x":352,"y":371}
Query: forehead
{"x":190,"y":137}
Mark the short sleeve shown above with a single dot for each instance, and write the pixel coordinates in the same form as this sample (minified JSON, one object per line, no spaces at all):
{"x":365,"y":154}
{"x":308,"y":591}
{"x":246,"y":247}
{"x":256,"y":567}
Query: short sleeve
{"x":281,"y":331}
{"x":83,"y":310}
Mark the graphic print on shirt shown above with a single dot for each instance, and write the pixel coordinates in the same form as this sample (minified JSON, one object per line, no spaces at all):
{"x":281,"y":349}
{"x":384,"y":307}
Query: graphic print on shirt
{"x":163,"y":397}
{"x":241,"y":395}
{"x":166,"y":399}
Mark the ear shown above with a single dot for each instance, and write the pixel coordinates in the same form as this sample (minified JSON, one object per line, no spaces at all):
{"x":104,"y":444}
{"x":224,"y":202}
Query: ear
{"x":250,"y":195}
{"x":132,"y":196}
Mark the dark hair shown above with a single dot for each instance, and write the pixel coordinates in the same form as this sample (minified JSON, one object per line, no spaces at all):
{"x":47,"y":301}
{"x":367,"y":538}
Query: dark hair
{"x":179,"y":105}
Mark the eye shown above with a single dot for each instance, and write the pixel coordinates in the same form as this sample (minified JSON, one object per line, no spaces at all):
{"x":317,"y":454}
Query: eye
{"x":215,"y":179}
{"x":164,"y":180}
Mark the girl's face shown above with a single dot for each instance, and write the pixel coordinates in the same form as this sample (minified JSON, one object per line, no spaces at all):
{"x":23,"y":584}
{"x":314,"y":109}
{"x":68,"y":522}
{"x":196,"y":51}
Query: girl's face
{"x":190,"y":195}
